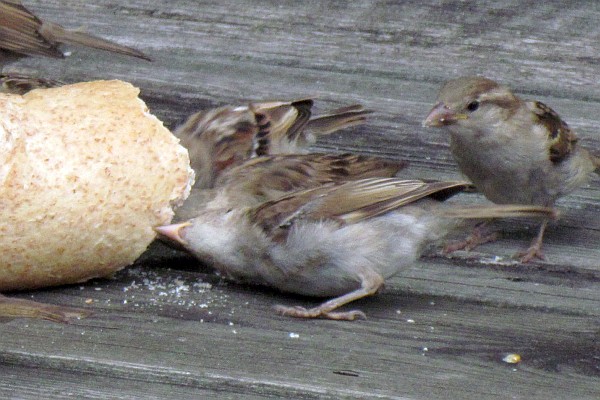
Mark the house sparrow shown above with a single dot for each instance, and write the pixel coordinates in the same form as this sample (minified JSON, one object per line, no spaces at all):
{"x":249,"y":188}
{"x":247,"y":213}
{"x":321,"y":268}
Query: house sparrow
{"x":270,"y":177}
{"x":224,"y":137}
{"x":21,"y":84}
{"x":515,"y":151}
{"x":339,"y":241}
{"x":24,"y":34}
{"x":20,"y":308}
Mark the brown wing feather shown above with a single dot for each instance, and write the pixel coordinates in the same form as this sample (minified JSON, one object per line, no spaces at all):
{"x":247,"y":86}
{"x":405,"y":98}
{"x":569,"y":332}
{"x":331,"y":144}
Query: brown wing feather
{"x":291,"y":124}
{"x":347,"y":203}
{"x":562,"y":139}
{"x":377,"y":197}
{"x":340,"y":118}
{"x":216,"y":140}
{"x":276,"y":214}
{"x":223,"y":138}
{"x":19,"y":31}
{"x":20,"y":84}
{"x":273,"y":176}
{"x":282,"y":122}
{"x":23,"y":33}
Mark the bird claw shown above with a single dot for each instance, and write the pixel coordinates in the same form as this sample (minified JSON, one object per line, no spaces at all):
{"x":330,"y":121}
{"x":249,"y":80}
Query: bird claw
{"x":530,"y":254}
{"x":345,"y":315}
{"x":478,"y":237}
{"x":319,"y":312}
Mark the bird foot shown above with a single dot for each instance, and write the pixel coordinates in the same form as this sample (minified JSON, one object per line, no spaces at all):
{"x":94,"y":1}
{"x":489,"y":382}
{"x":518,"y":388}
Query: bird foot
{"x":319,"y":312}
{"x":533,"y":252}
{"x":478,"y":237}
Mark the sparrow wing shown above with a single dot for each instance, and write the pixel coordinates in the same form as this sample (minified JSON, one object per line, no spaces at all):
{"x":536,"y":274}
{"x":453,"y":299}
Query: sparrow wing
{"x":280,"y":123}
{"x":335,"y":120}
{"x":22,"y":32}
{"x":19,"y":31}
{"x":276,"y":175}
{"x":561,"y":138}
{"x":347,"y":203}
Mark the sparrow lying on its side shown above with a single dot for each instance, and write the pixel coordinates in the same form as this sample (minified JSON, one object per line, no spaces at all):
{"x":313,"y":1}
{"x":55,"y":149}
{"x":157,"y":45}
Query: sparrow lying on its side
{"x":270,"y":177}
{"x":224,"y":137}
{"x":339,"y":241}
{"x":515,"y":151}
{"x":24,"y":34}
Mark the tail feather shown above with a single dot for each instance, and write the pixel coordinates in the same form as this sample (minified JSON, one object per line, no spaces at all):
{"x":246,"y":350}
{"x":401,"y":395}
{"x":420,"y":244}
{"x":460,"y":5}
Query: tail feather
{"x":501,"y":211}
{"x":335,"y":120}
{"x":56,"y":33}
{"x":292,"y":130}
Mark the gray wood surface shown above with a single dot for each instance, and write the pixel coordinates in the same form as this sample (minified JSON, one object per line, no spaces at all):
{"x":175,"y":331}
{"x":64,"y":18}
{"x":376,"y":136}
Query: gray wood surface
{"x":169,"y":328}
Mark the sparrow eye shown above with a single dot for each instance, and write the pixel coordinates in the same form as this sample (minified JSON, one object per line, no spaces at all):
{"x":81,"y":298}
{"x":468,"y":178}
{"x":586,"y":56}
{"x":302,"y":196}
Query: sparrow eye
{"x":473,"y":106}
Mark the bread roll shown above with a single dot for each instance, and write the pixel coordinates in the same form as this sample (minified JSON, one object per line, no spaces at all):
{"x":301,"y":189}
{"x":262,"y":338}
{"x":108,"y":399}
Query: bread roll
{"x":86,"y":172}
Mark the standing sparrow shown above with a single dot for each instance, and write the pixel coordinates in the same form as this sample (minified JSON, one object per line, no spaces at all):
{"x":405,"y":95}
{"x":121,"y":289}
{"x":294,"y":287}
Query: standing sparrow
{"x":24,"y":34}
{"x":270,"y":177}
{"x":515,"y":151}
{"x":339,"y":241}
{"x":224,"y":137}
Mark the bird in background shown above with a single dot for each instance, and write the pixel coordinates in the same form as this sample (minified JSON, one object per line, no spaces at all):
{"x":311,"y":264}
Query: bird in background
{"x":513,"y":150}
{"x":21,"y":84}
{"x":24,"y":34}
{"x":335,"y":240}
{"x":225,"y":137}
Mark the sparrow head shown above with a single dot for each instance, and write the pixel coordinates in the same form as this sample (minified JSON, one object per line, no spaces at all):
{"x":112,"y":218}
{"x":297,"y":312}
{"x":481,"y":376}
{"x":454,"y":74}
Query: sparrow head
{"x":173,"y":232}
{"x":471,"y":102}
{"x":212,"y":231}
{"x":223,"y":238}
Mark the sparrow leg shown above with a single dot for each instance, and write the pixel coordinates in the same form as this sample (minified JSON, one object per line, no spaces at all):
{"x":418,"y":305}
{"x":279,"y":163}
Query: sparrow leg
{"x":369,"y":286}
{"x":19,"y":308}
{"x":535,"y":250}
{"x":480,"y":235}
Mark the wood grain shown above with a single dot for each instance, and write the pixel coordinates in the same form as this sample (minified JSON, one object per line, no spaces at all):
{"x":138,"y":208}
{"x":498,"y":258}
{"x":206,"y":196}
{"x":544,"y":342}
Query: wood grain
{"x":442,"y":327}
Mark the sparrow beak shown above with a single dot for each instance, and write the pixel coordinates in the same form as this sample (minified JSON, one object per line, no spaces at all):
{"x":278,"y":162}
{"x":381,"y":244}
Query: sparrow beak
{"x":441,"y":115}
{"x":172,"y":232}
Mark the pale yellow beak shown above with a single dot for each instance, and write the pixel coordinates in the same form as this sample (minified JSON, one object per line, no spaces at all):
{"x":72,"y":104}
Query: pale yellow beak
{"x":441,"y":115}
{"x":172,"y":232}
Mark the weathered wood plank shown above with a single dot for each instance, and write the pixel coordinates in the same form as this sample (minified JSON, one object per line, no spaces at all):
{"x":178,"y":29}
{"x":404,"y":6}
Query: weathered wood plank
{"x":51,"y":383}
{"x":226,"y":339}
{"x":468,"y":310}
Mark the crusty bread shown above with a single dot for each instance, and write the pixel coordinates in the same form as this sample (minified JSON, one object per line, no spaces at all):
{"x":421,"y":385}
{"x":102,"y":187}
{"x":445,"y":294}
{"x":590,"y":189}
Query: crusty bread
{"x":86,"y":172}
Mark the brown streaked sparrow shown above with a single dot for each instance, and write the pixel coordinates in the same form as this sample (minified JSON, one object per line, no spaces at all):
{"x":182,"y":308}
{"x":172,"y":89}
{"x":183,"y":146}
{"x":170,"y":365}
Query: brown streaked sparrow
{"x":269,"y":177}
{"x":20,"y":308}
{"x":514,"y":151}
{"x":24,"y":34}
{"x":339,"y":241}
{"x":21,"y":84}
{"x":224,"y":137}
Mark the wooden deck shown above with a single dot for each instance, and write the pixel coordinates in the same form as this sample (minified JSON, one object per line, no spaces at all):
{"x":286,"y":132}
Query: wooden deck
{"x":168,"y":328}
